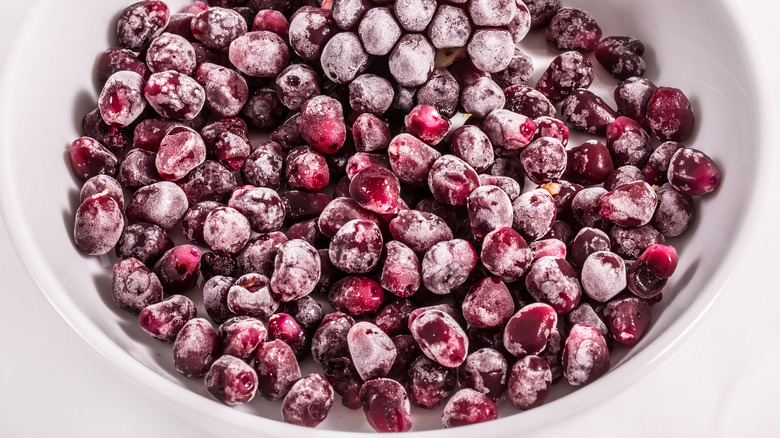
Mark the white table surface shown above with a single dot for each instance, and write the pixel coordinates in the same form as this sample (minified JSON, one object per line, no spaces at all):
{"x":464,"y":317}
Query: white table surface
{"x":721,"y":382}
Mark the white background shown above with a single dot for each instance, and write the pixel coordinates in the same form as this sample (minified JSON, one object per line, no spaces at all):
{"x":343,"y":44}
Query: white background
{"x":721,"y":382}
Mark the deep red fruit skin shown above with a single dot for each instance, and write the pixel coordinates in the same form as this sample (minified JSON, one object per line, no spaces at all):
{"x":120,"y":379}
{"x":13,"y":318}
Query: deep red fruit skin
{"x":371,"y":349}
{"x":585,"y":356}
{"x":429,"y":383}
{"x":632,"y":96}
{"x":401,"y":271}
{"x":272,"y":21}
{"x":308,"y":402}
{"x":630,"y":243}
{"x":134,"y":286}
{"x":628,"y":318}
{"x":179,"y":268}
{"x":411,"y":159}
{"x":587,"y":241}
{"x":306,"y":169}
{"x":647,"y":276}
{"x":534,"y":214}
{"x":215,"y":291}
{"x":567,"y":72}
{"x":386,"y":405}
{"x":231,"y":381}
{"x":116,"y":59}
{"x":310,"y":29}
{"x":657,"y":166}
{"x":261,"y":54}
{"x":622,"y":56}
{"x":669,"y":115}
{"x":376,"y":189}
{"x":181,"y":151}
{"x":90,"y":158}
{"x":468,"y":406}
{"x":196,"y":348}
{"x":553,"y":281}
{"x":551,"y":127}
{"x":573,"y":29}
{"x":692,"y":172}
{"x":140,"y":23}
{"x":528,"y":101}
{"x":485,"y":370}
{"x":509,"y":131}
{"x":451,"y":180}
{"x":426,"y":123}
{"x":113,"y":138}
{"x":356,"y":296}
{"x":440,"y":337}
{"x":623,"y":175}
{"x":589,"y":163}
{"x":262,"y":207}
{"x":528,"y":331}
{"x":241,"y":335}
{"x":283,"y":327}
{"x":584,"y":111}
{"x":145,"y":242}
{"x":529,"y":382}
{"x":505,"y":254}
{"x":217,"y":27}
{"x":226,"y":90}
{"x":356,"y":247}
{"x":419,"y":230}
{"x":277,"y":369}
{"x":628,"y":142}
{"x":544,"y":159}
{"x":674,"y":213}
{"x":165,"y":319}
{"x":488,"y":304}
{"x":321,"y":124}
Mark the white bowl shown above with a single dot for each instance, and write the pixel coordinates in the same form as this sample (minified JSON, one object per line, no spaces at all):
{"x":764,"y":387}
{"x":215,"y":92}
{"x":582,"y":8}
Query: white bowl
{"x":48,"y":86}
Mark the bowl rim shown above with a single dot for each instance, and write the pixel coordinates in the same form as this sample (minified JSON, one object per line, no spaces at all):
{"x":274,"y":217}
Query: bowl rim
{"x":572,"y":404}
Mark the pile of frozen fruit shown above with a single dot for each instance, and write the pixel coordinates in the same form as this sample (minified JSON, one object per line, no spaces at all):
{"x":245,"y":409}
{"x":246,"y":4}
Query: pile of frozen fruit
{"x":400,"y":252}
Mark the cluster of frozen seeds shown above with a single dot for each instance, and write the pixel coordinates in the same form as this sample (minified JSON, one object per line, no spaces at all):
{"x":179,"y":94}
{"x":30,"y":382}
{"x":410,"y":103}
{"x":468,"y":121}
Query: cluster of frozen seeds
{"x":442,"y":272}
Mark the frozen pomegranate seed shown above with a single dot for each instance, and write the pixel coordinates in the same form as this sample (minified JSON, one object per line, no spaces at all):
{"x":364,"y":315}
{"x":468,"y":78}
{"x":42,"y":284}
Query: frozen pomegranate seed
{"x":407,"y":351}
{"x":508,"y":185}
{"x":135,"y":286}
{"x":89,"y":159}
{"x":250,"y":295}
{"x":277,"y":369}
{"x":692,"y":172}
{"x":171,"y":52}
{"x":447,"y":265}
{"x":466,"y":73}
{"x":98,"y":224}
{"x":548,"y":247}
{"x":518,"y":71}
{"x":584,"y":111}
{"x":262,"y":207}
{"x":482,"y":97}
{"x":306,"y":312}
{"x":215,"y":291}
{"x":585,"y":208}
{"x":263,"y":167}
{"x":495,"y":13}
{"x":148,"y":134}
{"x":425,"y":123}
{"x":603,"y":275}
{"x":321,"y":124}
{"x":356,"y":295}
{"x":488,"y":304}
{"x":622,"y":56}
{"x":379,"y":31}
{"x":630,"y":243}
{"x":174,"y":95}
{"x":226,"y":230}
{"x":489,"y":208}
{"x":347,"y":13}
{"x":356,"y":247}
{"x":521,"y":24}
{"x":296,"y":270}
{"x":372,"y":351}
{"x":585,"y":356}
{"x":196,"y":348}
{"x":414,"y":15}
{"x":449,"y":309}
{"x":629,"y":205}
{"x":529,"y":382}
{"x":181,"y":151}
{"x":441,"y":92}
{"x":567,"y":72}
{"x":231,"y":381}
{"x":210,"y":181}
{"x":393,"y":319}
{"x":340,"y":211}
{"x":411,"y":159}
{"x":296,"y":84}
{"x":628,"y":142}
{"x":205,"y":55}
{"x":241,"y":335}
{"x":285,"y":328}
{"x":623,"y":175}
{"x":528,"y":330}
{"x":468,"y":406}
{"x":401,"y":272}
{"x":586,"y":242}
{"x":165,"y":319}
{"x":542,"y":11}
{"x":376,"y":189}
{"x":585,"y":314}
{"x":217,"y":27}
{"x":386,"y":405}
{"x":508,"y":131}
{"x":140,"y":23}
{"x":412,"y":60}
{"x":450,"y":27}
{"x":628,"y":318}
{"x":308,"y":402}
{"x":552,"y":280}
{"x":272,"y":21}
{"x":589,"y":163}
{"x":226,"y":90}
{"x":370,"y":133}
{"x":329,"y":341}
{"x":179,"y":268}
{"x":121,"y":100}
{"x":674,"y":212}
{"x":116,"y":59}
{"x":632,"y":97}
{"x":195,"y":219}
{"x":362,"y":160}
{"x":343,"y":58}
{"x":647,"y":276}
{"x":370,"y":93}
{"x":656,"y":169}
{"x":429,"y":383}
{"x":534,"y":214}
{"x":304,"y":205}
{"x":310,"y":29}
{"x":260,"y":252}
{"x":485,"y":371}
{"x":264,"y":110}
{"x":419,"y":230}
{"x":544,"y":159}
{"x":231,"y":147}
{"x":306,"y":169}
{"x":561,"y":231}
{"x":451,"y":180}
{"x":440,"y":337}
{"x":505,"y":254}
{"x":144,"y":242}
{"x":669,"y":115}
{"x":551,"y":127}
{"x":573,"y":29}
{"x":527,"y":101}
{"x":491,"y":49}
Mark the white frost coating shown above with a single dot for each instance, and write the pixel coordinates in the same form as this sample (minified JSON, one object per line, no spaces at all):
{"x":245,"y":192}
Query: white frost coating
{"x":484,"y":361}
{"x":217,"y":27}
{"x":260,"y":54}
{"x":493,"y":13}
{"x":166,"y":53}
{"x":414,"y":15}
{"x":551,"y":284}
{"x":585,"y":353}
{"x":226,"y":230}
{"x":468,"y":406}
{"x":521,"y":23}
{"x":489,"y":209}
{"x":373,"y":352}
{"x":126,"y":87}
{"x":297,"y":270}
{"x":534,"y":214}
{"x":343,"y":58}
{"x":412,"y":60}
{"x":526,"y":382}
{"x":450,"y":352}
{"x":170,"y":93}
{"x":450,"y":27}
{"x":603,"y":275}
{"x":630,"y":205}
{"x":491,"y":50}
{"x":447,"y":265}
{"x":379,"y":31}
{"x":356,"y":247}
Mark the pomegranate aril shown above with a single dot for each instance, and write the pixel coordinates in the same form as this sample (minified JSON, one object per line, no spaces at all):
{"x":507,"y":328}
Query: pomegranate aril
{"x":144,"y":242}
{"x":566,"y":73}
{"x":632,"y":97}
{"x":622,"y":56}
{"x":272,"y":21}
{"x":629,"y":205}
{"x":321,"y":124}
{"x":379,"y":30}
{"x":674,"y":212}
{"x":196,"y":348}
{"x":262,"y":207}
{"x":231,"y":381}
{"x":529,"y":382}
{"x":116,"y":59}
{"x":343,"y":58}
{"x":647,"y":276}
{"x":657,"y":166}
{"x":429,"y":383}
{"x":174,"y":95}
{"x":468,"y":406}
{"x":411,"y":159}
{"x":630,"y":243}
{"x":179,"y":268}
{"x":527,"y":101}
{"x":181,"y":150}
{"x":628,"y":142}
{"x":370,"y":93}
{"x":589,"y":163}
{"x":285,"y":328}
{"x":447,"y":265}
{"x":310,"y":28}
{"x":140,"y":23}
{"x":528,"y":330}
{"x":587,"y":241}
{"x":210,"y":181}
{"x":482,"y":97}
{"x":98,"y":224}
{"x":451,"y":180}
{"x":277,"y":369}
{"x":440,"y":337}
{"x":585,"y":208}
{"x":628,"y":318}
{"x":585,"y":356}
{"x":347,"y":13}
{"x":508,"y":131}
{"x":217,"y":27}
{"x":263,"y":167}
{"x":251,"y":295}
{"x":488,"y":304}
{"x":412,"y":60}
{"x":386,"y":405}
{"x":552,"y":280}
{"x":165,"y":319}
{"x":623,"y":175}
{"x":134,"y":286}
{"x":692,"y":172}
{"x":669,"y":115}
{"x":296,"y":270}
{"x":485,"y":371}
{"x":491,"y":49}
{"x":506,"y":254}
{"x":584,"y":111}
{"x":226,"y":90}
{"x":603,"y":275}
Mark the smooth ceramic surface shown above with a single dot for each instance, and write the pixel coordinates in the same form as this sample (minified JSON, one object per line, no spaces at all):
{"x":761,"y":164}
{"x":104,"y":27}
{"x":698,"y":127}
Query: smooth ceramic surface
{"x":45,"y":97}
